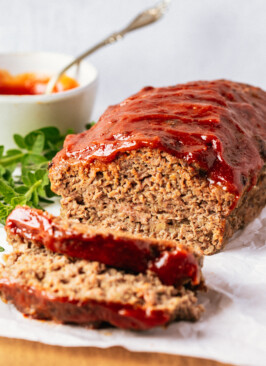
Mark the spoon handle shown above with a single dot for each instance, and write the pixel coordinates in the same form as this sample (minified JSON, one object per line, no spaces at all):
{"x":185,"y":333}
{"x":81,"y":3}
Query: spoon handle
{"x":145,"y":18}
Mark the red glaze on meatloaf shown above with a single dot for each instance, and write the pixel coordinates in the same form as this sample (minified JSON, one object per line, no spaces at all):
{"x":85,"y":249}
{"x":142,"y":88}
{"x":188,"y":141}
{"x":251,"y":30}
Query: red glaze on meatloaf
{"x":219,"y":125}
{"x":91,"y":313}
{"x":174,"y":265}
{"x":184,"y":163}
{"x":50,"y":286}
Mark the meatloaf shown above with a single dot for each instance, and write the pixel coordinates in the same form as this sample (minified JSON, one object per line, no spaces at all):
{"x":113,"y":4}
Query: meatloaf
{"x":51,"y":286}
{"x":173,"y":264}
{"x":185,"y":163}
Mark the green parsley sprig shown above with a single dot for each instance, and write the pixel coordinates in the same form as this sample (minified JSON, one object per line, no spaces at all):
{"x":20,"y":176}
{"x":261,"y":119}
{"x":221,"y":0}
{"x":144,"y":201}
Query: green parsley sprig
{"x":24,"y":171}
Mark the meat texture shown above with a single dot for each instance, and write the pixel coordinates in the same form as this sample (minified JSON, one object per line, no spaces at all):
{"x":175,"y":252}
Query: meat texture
{"x":183,"y":163}
{"x":51,"y":286}
{"x":174,"y":265}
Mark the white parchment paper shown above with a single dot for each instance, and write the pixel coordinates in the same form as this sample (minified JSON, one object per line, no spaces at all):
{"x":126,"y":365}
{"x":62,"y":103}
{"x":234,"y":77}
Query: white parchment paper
{"x":232,"y":329}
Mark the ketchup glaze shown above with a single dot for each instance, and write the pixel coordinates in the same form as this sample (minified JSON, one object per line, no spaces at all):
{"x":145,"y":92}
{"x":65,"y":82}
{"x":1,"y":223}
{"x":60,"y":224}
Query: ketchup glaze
{"x":219,"y":126}
{"x":38,"y":304}
{"x":174,"y":265}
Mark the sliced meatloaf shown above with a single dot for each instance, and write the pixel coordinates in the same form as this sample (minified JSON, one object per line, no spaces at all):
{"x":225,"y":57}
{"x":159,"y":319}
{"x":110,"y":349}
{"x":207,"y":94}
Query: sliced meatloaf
{"x":185,"y":163}
{"x":51,"y":286}
{"x":173,"y":264}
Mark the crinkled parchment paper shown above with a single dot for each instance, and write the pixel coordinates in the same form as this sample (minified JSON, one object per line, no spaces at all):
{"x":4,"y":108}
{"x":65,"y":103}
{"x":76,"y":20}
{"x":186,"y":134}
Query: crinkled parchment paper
{"x":232,"y":329}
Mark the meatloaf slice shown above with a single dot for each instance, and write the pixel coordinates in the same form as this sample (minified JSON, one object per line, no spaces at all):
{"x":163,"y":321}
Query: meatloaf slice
{"x":174,"y":265}
{"x":51,"y":286}
{"x":185,"y":163}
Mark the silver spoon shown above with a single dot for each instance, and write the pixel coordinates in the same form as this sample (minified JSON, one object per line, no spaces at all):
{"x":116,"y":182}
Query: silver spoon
{"x":147,"y":17}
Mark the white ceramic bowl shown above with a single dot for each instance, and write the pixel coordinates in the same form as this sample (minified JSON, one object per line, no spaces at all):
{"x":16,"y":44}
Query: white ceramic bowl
{"x":68,"y":109}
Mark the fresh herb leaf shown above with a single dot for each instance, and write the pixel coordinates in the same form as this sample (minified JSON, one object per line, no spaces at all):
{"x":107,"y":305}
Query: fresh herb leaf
{"x":38,"y":144}
{"x":2,"y":249}
{"x":89,"y":125}
{"x":19,"y":140}
{"x":24,"y":171}
{"x":4,"y":212}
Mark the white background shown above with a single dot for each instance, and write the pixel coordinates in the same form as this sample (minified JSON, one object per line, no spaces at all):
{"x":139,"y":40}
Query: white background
{"x":197,"y":39}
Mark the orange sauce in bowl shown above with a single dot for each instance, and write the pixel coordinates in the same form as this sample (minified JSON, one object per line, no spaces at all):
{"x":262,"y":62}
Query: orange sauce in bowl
{"x":32,"y":84}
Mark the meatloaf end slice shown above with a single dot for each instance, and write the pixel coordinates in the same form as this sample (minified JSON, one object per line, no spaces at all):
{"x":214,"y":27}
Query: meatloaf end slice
{"x":51,"y":286}
{"x":174,"y":264}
